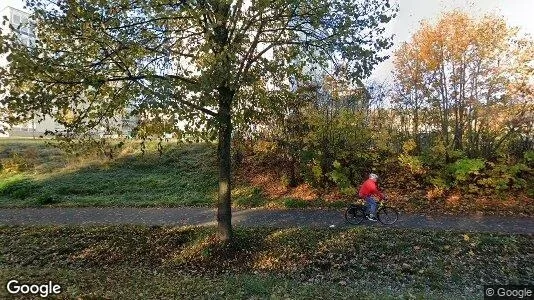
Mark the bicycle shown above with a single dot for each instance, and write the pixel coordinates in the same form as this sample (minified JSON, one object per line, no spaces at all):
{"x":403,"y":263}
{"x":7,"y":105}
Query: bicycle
{"x":357,"y":212}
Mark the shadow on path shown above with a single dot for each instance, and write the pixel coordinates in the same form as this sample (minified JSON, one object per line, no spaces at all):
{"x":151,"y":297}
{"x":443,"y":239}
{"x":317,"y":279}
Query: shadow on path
{"x":252,"y":217}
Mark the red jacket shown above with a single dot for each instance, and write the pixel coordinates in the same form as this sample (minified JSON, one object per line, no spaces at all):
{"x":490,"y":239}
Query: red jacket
{"x":369,"y":188}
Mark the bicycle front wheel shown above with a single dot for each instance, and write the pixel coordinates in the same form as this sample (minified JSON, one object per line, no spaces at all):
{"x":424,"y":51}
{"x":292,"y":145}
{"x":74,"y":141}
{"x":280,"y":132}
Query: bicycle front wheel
{"x":388,"y":215}
{"x":354,"y":215}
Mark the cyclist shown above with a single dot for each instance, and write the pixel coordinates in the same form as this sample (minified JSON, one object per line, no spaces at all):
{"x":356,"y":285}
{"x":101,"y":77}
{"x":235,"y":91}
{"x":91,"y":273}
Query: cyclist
{"x":369,"y":191}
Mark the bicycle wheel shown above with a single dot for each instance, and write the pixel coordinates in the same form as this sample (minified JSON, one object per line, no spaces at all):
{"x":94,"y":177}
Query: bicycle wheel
{"x":388,"y":215}
{"x":354,"y":215}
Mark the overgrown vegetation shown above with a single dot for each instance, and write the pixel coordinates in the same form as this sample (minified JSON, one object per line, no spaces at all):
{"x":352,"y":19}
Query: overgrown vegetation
{"x":35,"y":174}
{"x":453,"y":133}
{"x":204,"y":63}
{"x":281,"y":84}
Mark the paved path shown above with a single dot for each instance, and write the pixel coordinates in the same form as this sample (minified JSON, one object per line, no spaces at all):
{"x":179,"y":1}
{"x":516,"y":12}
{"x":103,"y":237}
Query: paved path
{"x":252,"y":217}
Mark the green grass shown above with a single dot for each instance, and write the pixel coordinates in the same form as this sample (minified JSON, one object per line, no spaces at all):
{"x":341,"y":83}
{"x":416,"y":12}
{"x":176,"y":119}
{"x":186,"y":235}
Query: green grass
{"x":246,"y":197}
{"x":188,"y":262}
{"x":184,"y":175}
{"x":34,"y":173}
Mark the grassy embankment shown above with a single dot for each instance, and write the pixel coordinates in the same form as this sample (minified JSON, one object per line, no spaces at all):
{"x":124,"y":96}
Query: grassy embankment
{"x":184,"y":263}
{"x":38,"y":174}
{"x":35,"y":174}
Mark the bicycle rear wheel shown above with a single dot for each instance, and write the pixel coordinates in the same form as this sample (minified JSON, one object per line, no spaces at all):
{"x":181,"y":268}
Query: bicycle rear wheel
{"x":387,"y":215}
{"x":354,"y":215}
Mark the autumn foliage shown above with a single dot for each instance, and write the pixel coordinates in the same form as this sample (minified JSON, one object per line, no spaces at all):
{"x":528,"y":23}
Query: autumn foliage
{"x":453,"y":133}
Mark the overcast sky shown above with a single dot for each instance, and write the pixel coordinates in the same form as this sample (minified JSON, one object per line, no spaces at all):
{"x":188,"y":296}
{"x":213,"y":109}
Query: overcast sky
{"x":412,"y":12}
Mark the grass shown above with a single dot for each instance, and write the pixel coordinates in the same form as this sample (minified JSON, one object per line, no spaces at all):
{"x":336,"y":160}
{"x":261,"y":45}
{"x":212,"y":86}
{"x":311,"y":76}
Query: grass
{"x":188,"y":262}
{"x":182,"y":176}
{"x":33,"y":173}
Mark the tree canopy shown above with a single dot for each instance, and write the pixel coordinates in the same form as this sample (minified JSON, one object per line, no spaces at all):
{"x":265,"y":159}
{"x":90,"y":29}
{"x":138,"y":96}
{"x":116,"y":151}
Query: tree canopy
{"x":468,"y":80}
{"x":199,"y":61}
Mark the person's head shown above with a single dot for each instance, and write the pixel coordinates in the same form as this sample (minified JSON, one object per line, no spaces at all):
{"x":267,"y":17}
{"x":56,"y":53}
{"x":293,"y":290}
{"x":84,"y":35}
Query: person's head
{"x":373,"y":177}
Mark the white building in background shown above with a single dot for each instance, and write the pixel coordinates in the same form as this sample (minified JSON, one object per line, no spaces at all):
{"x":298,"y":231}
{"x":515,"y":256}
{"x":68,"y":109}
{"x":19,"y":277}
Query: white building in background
{"x":21,"y":22}
{"x":18,"y":21}
{"x":25,"y":30}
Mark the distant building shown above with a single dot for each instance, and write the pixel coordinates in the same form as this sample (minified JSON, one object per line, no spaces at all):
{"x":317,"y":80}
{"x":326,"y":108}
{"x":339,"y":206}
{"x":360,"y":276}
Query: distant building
{"x":21,"y":23}
{"x":24,"y":29}
{"x":18,"y":21}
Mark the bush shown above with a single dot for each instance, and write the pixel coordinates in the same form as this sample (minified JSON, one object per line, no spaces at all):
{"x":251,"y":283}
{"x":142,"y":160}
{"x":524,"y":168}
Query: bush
{"x":461,"y":169}
{"x":439,"y":182}
{"x":529,"y":158}
{"x":349,"y":191}
{"x":412,"y":163}
{"x":263,"y":148}
{"x":47,"y":199}
{"x":503,"y":176}
{"x":17,"y":187}
{"x":409,"y":146}
{"x":435,"y":156}
{"x":317,"y":172}
{"x":339,"y":176}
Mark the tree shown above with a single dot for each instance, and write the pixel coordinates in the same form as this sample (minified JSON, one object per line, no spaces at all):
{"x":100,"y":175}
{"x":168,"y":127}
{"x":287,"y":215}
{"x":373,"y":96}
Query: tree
{"x":196,"y":59}
{"x":409,"y":86}
{"x":462,"y":71}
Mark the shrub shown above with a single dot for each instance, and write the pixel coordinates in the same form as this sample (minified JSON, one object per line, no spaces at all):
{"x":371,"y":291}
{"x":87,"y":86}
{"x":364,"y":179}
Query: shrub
{"x":461,"y":169}
{"x":409,"y":146}
{"x":503,"y":176}
{"x":47,"y":199}
{"x":434,"y":157}
{"x":249,"y":197}
{"x":263,"y":147}
{"x":349,"y":191}
{"x":529,"y":158}
{"x":412,"y":163}
{"x":317,"y":172}
{"x":17,"y":187}
{"x":339,"y":176}
{"x":439,"y":182}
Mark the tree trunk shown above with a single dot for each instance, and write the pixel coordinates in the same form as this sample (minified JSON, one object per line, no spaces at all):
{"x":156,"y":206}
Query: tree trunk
{"x":416,"y":132}
{"x":224,"y":204}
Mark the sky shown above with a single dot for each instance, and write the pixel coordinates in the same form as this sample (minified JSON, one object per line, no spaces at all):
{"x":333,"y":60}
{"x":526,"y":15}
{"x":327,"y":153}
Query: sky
{"x":412,"y":12}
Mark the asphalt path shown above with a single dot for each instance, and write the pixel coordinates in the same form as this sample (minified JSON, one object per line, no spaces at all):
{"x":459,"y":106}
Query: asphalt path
{"x":181,"y":216}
